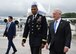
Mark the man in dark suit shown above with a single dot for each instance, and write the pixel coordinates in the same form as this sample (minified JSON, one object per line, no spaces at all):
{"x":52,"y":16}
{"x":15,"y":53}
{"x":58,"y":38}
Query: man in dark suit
{"x":36,"y":27}
{"x":59,"y":38}
{"x":10,"y":33}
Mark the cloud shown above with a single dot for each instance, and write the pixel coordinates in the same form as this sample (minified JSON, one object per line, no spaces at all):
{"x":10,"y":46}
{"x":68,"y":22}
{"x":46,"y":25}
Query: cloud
{"x":20,"y":7}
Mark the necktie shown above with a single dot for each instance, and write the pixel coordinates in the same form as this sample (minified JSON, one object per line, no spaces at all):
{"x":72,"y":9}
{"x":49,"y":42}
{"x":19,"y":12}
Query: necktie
{"x":55,"y":24}
{"x":33,"y":17}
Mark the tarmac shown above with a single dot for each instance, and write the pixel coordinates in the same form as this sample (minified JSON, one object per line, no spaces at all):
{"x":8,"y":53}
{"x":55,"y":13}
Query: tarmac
{"x":26,"y":50}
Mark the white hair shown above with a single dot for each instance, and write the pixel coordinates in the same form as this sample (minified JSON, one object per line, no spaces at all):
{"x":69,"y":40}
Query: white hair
{"x":57,"y":10}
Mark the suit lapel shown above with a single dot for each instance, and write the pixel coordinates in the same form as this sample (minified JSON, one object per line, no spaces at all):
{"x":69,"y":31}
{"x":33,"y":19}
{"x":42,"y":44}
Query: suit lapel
{"x":37,"y":17}
{"x":60,"y":24}
{"x":52,"y":27}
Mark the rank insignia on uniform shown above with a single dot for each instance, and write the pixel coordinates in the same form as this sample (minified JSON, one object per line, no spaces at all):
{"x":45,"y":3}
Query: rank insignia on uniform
{"x":38,"y":28}
{"x":39,"y":19}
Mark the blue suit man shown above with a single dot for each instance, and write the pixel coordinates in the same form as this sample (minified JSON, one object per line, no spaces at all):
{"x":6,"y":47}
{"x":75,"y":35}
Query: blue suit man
{"x":10,"y":33}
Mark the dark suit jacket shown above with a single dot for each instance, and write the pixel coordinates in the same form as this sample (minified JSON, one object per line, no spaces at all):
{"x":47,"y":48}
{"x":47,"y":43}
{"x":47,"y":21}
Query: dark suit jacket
{"x":37,"y":30}
{"x":11,"y":31}
{"x":61,"y":38}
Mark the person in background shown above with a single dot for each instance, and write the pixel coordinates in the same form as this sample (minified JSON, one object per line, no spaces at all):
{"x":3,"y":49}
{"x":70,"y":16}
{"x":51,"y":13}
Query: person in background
{"x":10,"y":33}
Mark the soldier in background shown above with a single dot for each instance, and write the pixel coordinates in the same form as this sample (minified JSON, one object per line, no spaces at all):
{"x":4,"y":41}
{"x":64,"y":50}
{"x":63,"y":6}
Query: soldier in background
{"x":36,"y":27}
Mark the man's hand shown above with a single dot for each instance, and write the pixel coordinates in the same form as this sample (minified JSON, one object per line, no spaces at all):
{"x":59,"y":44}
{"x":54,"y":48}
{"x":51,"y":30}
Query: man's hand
{"x":23,"y":44}
{"x":42,"y":46}
{"x":66,"y":49}
{"x":47,"y":46}
{"x":4,"y":35}
{"x":14,"y":36}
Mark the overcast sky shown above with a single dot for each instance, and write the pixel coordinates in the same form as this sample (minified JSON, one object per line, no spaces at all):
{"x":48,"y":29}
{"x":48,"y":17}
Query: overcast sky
{"x":20,"y":7}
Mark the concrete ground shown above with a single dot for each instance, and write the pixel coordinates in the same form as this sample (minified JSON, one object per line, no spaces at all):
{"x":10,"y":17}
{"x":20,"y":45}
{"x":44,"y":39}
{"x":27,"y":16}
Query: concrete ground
{"x":26,"y":49}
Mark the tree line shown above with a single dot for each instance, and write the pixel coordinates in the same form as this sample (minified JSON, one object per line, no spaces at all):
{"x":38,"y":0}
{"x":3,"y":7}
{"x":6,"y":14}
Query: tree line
{"x":69,"y":15}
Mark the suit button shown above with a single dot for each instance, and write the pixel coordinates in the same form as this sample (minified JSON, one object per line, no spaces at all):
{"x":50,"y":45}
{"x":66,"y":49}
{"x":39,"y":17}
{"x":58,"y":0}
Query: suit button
{"x":32,"y":26}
